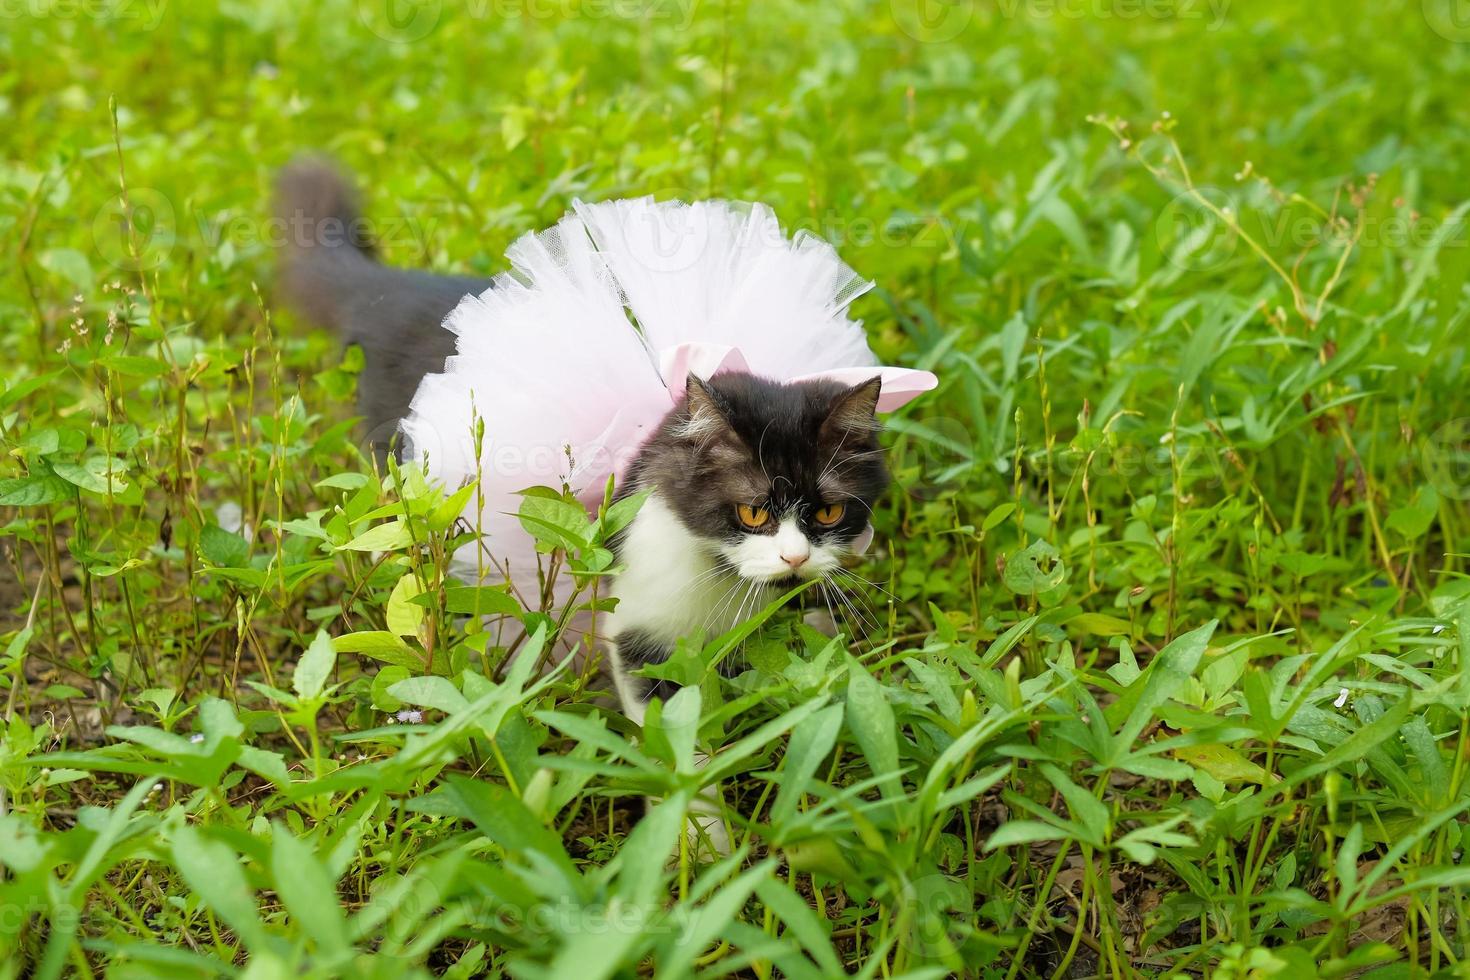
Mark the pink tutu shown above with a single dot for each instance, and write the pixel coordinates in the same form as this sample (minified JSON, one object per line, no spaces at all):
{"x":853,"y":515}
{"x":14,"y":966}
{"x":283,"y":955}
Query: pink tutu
{"x":576,"y":354}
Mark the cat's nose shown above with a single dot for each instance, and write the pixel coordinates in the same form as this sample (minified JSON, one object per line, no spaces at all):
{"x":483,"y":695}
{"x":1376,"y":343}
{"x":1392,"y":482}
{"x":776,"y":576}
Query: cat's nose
{"x":796,"y":560}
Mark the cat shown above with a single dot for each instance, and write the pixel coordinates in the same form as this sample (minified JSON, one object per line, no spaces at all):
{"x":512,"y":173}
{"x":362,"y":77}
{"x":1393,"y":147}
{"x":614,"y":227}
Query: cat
{"x":328,"y":272}
{"x":753,"y":485}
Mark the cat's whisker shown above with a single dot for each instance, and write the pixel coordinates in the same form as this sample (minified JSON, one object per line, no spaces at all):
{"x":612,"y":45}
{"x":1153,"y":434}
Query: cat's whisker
{"x":752,"y":596}
{"x":716,"y":614}
{"x":704,"y":579}
{"x":739,"y":593}
{"x":859,"y":592}
{"x":760,"y":450}
{"x":848,"y":496}
{"x":716,"y":618}
{"x":835,"y":465}
{"x":832,"y":460}
{"x":869,"y":624}
{"x":831,"y":612}
{"x":865,"y":581}
{"x":854,"y":457}
{"x":856,"y":627}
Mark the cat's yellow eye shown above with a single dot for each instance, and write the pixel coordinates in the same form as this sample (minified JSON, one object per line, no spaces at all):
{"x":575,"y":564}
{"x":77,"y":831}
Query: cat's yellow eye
{"x":752,"y":517}
{"x":830,"y":514}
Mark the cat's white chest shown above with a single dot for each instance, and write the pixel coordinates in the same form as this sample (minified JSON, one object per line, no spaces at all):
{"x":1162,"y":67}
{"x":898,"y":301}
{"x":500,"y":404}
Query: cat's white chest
{"x":671,"y":586}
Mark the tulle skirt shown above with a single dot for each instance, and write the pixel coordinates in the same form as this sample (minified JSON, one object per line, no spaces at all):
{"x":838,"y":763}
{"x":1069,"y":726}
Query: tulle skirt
{"x":570,"y":361}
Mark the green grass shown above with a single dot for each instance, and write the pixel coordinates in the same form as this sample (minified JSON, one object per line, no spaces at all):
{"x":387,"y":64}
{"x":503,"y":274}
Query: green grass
{"x":1167,"y":663}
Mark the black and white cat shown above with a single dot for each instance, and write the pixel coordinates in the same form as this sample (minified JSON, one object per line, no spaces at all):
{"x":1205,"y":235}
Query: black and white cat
{"x":693,"y":352}
{"x":754,"y":486}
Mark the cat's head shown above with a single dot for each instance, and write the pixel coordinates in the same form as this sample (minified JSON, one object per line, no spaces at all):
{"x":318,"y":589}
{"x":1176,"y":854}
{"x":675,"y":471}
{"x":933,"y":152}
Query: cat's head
{"x":775,"y":479}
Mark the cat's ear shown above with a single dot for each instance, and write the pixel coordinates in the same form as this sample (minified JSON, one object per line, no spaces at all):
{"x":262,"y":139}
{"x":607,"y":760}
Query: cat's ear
{"x":854,"y":410}
{"x":705,"y":414}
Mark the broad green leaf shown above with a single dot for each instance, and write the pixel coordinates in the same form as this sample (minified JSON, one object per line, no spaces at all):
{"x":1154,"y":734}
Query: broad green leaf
{"x":1015,"y":832}
{"x":1167,"y":673}
{"x":403,"y":616}
{"x":212,"y":871}
{"x":430,"y":692}
{"x":384,"y":679}
{"x":1035,"y":569}
{"x":555,"y":521}
{"x":370,"y":642}
{"x":1087,"y":810}
{"x":99,"y":474}
{"x":1100,"y":624}
{"x":622,"y":512}
{"x":223,"y":547}
{"x":35,"y":491}
{"x":870,"y":719}
{"x":389,"y":536}
{"x":502,"y":817}
{"x":309,"y":893}
{"x":680,"y":724}
{"x":314,"y":667}
{"x":483,"y":600}
{"x":1224,"y":763}
{"x":811,"y":741}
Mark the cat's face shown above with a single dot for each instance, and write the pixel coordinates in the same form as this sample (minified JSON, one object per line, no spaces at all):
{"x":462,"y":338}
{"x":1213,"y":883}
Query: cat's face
{"x":774,"y":480}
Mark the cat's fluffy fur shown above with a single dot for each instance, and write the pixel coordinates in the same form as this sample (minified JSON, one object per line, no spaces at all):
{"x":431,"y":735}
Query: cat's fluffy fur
{"x":329,"y":273}
{"x":790,"y":449}
{"x":736,"y":438}
{"x":691,"y":565}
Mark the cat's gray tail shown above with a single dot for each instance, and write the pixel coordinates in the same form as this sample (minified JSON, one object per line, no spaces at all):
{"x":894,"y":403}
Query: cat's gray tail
{"x":329,"y":274}
{"x":326,"y":254}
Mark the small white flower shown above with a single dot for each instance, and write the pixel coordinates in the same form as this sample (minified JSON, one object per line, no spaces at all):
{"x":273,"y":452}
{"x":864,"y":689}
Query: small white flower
{"x":157,"y":788}
{"x":196,"y":738}
{"x":1342,"y":696}
{"x":410,"y":717}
